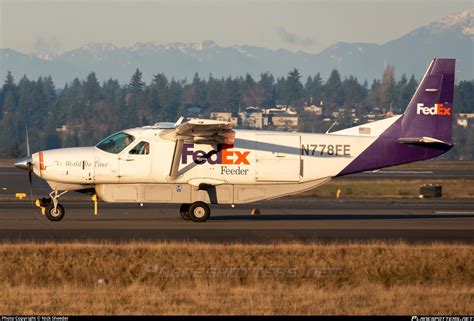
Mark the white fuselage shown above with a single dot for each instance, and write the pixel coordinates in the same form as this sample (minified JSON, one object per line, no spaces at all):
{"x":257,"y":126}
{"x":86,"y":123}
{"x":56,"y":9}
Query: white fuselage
{"x":259,"y":165}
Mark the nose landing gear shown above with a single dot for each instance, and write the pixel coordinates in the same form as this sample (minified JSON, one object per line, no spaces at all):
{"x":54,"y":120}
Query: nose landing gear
{"x":51,"y":207}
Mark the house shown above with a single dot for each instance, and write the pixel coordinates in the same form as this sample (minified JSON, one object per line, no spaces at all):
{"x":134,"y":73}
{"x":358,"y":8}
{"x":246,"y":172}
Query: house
{"x":252,"y":118}
{"x":225,"y":116}
{"x":313,"y":109}
{"x":464,"y":119}
{"x":283,"y":120}
{"x":221,"y":115}
{"x":62,"y":129}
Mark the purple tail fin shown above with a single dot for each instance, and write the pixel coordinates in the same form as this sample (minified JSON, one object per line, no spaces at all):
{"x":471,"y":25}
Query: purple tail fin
{"x":424,"y":130}
{"x":429,"y":113}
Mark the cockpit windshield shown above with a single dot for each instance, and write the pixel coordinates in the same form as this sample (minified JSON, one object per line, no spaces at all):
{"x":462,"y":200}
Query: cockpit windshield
{"x":116,"y":142}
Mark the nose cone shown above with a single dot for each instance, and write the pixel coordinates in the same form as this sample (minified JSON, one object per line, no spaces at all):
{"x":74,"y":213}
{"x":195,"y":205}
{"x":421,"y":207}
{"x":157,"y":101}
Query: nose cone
{"x":25,"y":163}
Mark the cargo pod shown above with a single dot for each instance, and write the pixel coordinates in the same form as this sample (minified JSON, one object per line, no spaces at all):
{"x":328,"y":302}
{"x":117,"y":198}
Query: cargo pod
{"x":278,"y":157}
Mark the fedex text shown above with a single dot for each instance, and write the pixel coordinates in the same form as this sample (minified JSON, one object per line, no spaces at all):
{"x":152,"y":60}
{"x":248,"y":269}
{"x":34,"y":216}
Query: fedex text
{"x":224,"y":155}
{"x":437,"y":109}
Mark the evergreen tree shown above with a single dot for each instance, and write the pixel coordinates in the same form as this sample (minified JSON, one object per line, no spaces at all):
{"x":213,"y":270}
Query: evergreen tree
{"x":294,"y":88}
{"x":136,"y":84}
{"x":407,"y":92}
{"x":232,"y":92}
{"x":464,"y":97}
{"x":266,"y":84}
{"x":215,"y":94}
{"x":10,"y":94}
{"x":354,"y":93}
{"x":314,"y":90}
{"x":200,"y":93}
{"x":91,"y":90}
{"x":333,"y":93}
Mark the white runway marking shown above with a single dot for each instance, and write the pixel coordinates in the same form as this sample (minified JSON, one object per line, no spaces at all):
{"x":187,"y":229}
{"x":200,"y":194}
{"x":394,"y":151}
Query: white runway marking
{"x":445,"y":212}
{"x":405,"y":172}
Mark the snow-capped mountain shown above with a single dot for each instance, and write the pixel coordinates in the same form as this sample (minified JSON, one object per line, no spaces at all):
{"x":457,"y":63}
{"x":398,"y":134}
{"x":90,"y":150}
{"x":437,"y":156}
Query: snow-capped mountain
{"x":462,"y":21}
{"x":451,"y":36}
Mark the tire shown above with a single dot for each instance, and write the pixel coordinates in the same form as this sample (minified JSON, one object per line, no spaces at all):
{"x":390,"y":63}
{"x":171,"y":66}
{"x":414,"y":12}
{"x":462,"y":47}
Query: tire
{"x":199,"y":212}
{"x":184,"y":211}
{"x":45,"y":201}
{"x":55,"y":216}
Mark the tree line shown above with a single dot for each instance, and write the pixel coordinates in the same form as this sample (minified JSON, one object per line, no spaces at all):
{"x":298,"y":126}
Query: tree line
{"x":90,"y":110}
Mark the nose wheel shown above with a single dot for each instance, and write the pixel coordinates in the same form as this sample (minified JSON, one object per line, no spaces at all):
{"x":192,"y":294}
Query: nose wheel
{"x":55,"y":214}
{"x":51,"y":207}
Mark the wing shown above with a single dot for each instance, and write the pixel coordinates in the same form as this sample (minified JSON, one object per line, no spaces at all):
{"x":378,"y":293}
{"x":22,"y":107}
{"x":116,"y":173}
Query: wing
{"x":201,"y":131}
{"x":197,"y":131}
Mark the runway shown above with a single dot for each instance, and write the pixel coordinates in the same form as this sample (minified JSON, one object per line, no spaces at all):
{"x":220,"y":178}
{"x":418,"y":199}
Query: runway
{"x":288,"y":219}
{"x":13,"y":180}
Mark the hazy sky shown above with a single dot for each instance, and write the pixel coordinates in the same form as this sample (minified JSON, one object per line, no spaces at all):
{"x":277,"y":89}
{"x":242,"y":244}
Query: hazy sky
{"x":296,"y":25}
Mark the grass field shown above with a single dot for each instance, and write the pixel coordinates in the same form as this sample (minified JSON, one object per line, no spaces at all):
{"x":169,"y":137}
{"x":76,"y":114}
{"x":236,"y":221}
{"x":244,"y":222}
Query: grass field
{"x":193,"y":278}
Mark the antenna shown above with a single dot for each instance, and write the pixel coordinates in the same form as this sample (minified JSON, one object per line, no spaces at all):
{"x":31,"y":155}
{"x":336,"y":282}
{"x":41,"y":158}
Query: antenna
{"x":334,"y":124}
{"x":179,"y":121}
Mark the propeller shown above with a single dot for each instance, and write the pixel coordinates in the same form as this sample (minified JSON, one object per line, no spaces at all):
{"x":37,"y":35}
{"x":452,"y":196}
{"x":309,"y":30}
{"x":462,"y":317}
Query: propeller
{"x":26,"y":162}
{"x":28,"y":154}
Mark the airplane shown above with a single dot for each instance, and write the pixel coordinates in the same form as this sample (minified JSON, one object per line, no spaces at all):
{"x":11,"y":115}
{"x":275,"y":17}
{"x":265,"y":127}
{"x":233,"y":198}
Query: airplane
{"x":202,"y":161}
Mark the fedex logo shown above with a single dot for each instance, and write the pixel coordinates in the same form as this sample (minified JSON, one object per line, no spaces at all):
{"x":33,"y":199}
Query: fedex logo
{"x":437,"y":109}
{"x":223,"y":155}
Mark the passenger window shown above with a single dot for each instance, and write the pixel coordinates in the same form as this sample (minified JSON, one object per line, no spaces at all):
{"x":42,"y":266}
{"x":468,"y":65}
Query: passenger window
{"x":142,"y":148}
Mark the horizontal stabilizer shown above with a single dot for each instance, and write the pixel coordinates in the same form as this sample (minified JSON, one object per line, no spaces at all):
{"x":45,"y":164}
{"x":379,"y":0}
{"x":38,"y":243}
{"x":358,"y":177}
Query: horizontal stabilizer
{"x":429,"y":142}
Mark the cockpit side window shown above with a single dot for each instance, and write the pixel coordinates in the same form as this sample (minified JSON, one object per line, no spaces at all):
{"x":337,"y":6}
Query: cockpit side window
{"x":142,"y":148}
{"x":115,"y":143}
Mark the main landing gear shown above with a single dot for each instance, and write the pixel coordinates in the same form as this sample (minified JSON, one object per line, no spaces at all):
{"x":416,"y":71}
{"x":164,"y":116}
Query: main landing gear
{"x":53,"y":210}
{"x":196,"y":212}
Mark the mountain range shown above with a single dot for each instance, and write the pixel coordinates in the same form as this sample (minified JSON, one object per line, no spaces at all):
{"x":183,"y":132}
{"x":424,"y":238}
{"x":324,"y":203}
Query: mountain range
{"x":451,"y":36}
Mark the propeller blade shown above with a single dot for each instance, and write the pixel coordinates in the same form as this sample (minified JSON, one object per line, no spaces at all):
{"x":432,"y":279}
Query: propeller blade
{"x":31,"y":188}
{"x":28,"y":152}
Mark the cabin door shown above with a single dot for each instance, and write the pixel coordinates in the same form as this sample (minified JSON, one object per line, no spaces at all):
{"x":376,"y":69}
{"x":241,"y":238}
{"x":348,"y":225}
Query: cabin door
{"x":135,"y":164}
{"x":278,"y":157}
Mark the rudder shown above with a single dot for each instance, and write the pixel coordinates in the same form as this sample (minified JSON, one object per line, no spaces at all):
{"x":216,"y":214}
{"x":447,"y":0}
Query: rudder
{"x":429,"y":113}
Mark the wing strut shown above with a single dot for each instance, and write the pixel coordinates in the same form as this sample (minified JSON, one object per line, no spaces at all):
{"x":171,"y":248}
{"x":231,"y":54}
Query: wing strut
{"x":178,"y":150}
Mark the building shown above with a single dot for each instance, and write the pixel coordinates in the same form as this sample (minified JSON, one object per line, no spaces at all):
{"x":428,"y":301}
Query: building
{"x":221,"y":115}
{"x":464,"y":119}
{"x":252,"y":118}
{"x":225,"y":116}
{"x":313,"y":109}
{"x":63,"y":129}
{"x":283,"y":121}
{"x":283,"y":118}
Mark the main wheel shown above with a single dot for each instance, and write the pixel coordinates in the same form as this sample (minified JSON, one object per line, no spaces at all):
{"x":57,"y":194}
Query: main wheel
{"x":184,"y":211}
{"x":199,"y":212}
{"x":55,"y":214}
